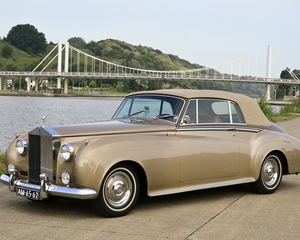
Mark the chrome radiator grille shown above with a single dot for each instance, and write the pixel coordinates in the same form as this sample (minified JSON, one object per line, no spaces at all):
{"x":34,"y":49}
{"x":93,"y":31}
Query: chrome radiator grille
{"x":34,"y":160}
{"x":40,"y":158}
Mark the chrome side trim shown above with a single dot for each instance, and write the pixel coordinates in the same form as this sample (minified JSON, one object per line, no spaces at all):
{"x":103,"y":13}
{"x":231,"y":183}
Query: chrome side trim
{"x":248,"y":130}
{"x":219,"y":129}
{"x":202,"y":188}
{"x":204,"y":129}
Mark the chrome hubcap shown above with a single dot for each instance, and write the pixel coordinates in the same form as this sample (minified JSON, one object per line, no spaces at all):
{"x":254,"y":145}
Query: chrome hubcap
{"x":270,"y":173}
{"x":118,"y":189}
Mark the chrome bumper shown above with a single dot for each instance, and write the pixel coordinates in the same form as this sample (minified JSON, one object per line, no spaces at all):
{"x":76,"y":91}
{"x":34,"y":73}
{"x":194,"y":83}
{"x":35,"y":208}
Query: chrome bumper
{"x":46,"y":189}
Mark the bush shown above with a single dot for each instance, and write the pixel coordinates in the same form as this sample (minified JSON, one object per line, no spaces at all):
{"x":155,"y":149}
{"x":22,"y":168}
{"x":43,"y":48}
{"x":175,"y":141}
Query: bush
{"x":293,"y":107}
{"x":7,"y":51}
{"x":265,"y":107}
{"x":2,"y":163}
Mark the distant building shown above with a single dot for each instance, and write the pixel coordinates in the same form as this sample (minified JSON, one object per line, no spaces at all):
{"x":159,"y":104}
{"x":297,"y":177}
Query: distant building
{"x":10,"y":80}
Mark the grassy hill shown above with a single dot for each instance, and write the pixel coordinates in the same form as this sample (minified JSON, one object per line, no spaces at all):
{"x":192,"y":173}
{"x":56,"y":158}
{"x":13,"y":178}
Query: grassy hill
{"x":20,"y":60}
{"x":137,"y":56}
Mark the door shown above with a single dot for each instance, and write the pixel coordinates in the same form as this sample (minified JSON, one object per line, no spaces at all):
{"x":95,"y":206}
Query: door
{"x":209,"y":148}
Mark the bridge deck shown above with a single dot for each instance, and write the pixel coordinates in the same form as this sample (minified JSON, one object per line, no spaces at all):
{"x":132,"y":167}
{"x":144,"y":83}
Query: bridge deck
{"x":170,"y":76}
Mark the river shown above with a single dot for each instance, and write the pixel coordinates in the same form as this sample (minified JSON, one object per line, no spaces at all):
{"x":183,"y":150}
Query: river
{"x":22,"y":114}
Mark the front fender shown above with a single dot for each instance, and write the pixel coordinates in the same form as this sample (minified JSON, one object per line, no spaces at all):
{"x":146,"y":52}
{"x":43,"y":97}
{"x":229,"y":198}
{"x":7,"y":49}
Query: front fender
{"x":157,"y":154}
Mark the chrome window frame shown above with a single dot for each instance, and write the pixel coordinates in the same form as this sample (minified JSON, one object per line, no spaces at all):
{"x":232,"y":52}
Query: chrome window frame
{"x":152,"y":95}
{"x":197,"y":120}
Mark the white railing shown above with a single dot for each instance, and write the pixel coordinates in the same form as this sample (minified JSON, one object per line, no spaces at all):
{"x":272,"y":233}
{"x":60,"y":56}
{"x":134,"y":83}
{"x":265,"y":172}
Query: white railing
{"x":150,"y":76}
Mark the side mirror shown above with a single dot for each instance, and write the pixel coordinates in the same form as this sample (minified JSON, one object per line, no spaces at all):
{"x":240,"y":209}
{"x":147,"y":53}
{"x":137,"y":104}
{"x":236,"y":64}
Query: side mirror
{"x":186,"y":119}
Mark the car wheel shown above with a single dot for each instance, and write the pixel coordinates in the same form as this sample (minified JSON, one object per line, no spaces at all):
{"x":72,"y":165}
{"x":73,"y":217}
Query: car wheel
{"x":118,"y":193}
{"x":270,"y":175}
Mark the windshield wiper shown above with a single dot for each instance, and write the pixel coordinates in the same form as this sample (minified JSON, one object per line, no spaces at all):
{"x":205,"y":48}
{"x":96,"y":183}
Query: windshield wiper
{"x":164,"y":116}
{"x":146,"y":110}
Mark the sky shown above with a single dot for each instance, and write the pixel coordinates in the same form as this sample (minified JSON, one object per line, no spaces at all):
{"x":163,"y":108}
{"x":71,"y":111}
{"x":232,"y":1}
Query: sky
{"x":208,"y":32}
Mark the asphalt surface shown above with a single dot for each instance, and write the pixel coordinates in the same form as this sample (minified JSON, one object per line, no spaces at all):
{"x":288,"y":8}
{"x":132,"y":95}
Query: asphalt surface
{"x":222,"y":213}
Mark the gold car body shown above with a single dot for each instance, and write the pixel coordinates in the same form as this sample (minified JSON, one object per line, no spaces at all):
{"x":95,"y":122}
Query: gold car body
{"x":170,"y":157}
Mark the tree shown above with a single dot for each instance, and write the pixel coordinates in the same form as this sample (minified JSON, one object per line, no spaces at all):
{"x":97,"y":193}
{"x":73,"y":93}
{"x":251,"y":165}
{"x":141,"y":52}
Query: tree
{"x":77,"y":42}
{"x":143,"y":84}
{"x":11,"y":67}
{"x":93,"y":84}
{"x":120,"y":86}
{"x":279,"y":93}
{"x":26,"y":37}
{"x":285,"y":74}
{"x":7,"y":51}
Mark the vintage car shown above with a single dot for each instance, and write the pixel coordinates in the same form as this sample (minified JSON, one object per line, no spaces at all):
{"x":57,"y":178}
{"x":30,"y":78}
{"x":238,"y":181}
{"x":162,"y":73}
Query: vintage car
{"x":159,"y":142}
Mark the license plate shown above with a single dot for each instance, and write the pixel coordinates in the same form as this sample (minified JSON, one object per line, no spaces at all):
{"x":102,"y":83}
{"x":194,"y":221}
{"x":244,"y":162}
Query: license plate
{"x":31,"y":194}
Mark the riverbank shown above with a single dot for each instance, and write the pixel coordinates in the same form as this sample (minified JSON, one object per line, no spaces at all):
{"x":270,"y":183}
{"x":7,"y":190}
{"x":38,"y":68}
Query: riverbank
{"x":281,"y":118}
{"x":41,"y":94}
{"x":277,"y":102}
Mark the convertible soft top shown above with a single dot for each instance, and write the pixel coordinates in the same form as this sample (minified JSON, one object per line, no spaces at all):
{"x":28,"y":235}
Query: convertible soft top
{"x":249,"y":106}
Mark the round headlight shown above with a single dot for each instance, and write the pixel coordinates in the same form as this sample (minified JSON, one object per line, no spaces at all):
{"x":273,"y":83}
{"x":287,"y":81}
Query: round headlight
{"x":67,"y":152}
{"x":21,"y":146}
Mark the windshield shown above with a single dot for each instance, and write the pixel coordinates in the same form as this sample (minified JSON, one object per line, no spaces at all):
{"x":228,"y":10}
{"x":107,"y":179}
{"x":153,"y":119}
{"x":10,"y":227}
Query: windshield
{"x":164,"y":107}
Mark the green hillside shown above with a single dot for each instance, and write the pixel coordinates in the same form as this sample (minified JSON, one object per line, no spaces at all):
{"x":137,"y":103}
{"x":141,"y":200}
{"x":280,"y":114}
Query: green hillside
{"x":20,"y":60}
{"x":137,"y":56}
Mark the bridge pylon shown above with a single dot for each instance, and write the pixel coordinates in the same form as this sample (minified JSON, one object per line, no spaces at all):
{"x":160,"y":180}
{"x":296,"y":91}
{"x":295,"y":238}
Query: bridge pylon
{"x":59,"y":57}
{"x":66,"y":66}
{"x":269,"y":69}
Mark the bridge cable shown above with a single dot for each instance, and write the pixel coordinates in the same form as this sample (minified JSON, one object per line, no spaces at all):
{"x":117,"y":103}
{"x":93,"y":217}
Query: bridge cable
{"x":44,"y":59}
{"x":287,"y":68}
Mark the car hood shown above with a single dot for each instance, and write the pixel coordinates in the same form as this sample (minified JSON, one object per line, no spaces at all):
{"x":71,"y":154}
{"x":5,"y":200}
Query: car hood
{"x":121,"y":126}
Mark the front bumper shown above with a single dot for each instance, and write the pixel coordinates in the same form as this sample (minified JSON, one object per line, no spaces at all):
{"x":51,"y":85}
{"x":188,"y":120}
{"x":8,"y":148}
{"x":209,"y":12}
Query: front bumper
{"x":46,"y":189}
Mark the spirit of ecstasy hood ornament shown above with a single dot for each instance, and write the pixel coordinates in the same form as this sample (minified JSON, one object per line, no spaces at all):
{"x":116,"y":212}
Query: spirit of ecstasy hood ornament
{"x":44,"y":119}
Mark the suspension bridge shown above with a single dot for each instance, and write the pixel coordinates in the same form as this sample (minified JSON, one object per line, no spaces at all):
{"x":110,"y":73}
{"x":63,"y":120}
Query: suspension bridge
{"x":101,"y":69}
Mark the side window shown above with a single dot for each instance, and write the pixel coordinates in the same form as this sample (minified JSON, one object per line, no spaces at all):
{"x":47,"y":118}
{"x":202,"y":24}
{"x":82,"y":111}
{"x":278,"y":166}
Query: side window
{"x":206,"y":111}
{"x":237,"y":116}
{"x":191,"y":112}
{"x":213,"y":111}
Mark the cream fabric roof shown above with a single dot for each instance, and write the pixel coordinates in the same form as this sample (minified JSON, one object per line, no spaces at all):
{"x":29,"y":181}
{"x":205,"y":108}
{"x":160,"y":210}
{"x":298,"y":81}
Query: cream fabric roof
{"x":249,"y":107}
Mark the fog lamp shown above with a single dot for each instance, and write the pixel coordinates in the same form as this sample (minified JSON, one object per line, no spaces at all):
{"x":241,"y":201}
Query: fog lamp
{"x":65,"y":178}
{"x":21,"y":146}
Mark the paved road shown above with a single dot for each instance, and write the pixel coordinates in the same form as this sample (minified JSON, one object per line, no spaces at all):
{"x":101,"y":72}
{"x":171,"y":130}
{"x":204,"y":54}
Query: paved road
{"x":223,"y":213}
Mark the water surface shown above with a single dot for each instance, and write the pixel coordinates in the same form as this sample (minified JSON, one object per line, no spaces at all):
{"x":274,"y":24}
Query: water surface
{"x":22,"y":114}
